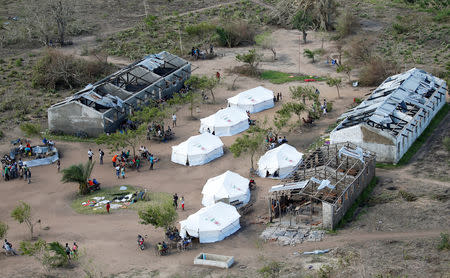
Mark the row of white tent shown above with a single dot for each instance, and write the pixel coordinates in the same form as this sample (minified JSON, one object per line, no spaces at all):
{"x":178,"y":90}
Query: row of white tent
{"x":218,"y":219}
{"x":201,"y":149}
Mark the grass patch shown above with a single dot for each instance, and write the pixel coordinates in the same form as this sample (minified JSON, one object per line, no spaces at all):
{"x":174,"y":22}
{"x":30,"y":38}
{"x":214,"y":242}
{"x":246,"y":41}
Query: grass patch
{"x":365,"y":195}
{"x":420,"y":140}
{"x":110,"y":193}
{"x":69,"y":138}
{"x":277,"y":77}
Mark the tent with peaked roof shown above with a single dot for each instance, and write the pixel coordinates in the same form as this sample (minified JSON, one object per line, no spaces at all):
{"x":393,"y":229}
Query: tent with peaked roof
{"x":279,"y":162}
{"x":253,"y":100}
{"x":225,"y":122}
{"x":212,"y":223}
{"x":228,"y":188}
{"x":197,"y":150}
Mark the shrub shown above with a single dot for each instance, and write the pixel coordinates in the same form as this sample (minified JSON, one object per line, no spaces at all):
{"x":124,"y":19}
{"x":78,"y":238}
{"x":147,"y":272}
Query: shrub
{"x":360,"y":49}
{"x":444,"y":244}
{"x":409,"y":197}
{"x":236,"y":33}
{"x":158,"y":215}
{"x":55,"y":69}
{"x":346,"y":24}
{"x":329,"y":106}
{"x":270,"y":270}
{"x":375,"y":71}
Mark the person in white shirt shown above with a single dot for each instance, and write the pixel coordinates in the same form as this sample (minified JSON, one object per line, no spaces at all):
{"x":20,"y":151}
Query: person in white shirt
{"x":174,"y":120}
{"x":90,"y":154}
{"x":8,"y":247}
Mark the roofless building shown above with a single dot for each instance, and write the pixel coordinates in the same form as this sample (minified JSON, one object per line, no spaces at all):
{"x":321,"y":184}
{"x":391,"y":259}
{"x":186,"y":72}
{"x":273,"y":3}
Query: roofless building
{"x":394,"y":115}
{"x":104,"y":105}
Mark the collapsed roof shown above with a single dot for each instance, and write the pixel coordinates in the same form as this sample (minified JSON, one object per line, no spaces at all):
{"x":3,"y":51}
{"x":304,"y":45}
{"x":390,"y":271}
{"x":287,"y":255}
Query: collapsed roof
{"x":394,"y":103}
{"x":327,"y":172}
{"x":112,"y":91}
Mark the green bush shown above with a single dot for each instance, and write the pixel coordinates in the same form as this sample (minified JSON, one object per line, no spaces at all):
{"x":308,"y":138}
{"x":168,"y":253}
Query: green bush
{"x":31,"y":129}
{"x":329,"y":106}
{"x":444,"y":243}
{"x":236,"y":33}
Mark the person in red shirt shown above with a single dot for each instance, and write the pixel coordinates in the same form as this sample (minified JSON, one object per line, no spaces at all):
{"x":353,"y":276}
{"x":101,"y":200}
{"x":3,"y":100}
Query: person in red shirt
{"x":108,"y":206}
{"x":114,"y":160}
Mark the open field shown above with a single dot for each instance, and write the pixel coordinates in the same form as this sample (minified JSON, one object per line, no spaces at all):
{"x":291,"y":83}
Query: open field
{"x":395,"y":233}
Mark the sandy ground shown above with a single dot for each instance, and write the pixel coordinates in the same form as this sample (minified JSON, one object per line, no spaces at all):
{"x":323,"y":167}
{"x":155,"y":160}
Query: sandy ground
{"x":110,"y":240}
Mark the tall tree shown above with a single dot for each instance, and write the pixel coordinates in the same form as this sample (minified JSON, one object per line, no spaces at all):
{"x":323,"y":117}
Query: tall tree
{"x":80,"y":174}
{"x":250,"y":143}
{"x":336,"y":82}
{"x":199,"y":83}
{"x":120,"y":140}
{"x":345,"y":68}
{"x":46,"y":18}
{"x":303,"y":21}
{"x":22,"y":214}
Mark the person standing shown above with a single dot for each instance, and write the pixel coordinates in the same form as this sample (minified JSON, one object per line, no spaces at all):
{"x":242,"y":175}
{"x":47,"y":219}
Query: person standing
{"x":152,"y":161}
{"x":182,"y":202}
{"x":29,"y":175}
{"x":67,"y":250}
{"x":101,"y":154}
{"x":75,"y":249}
{"x":90,"y":155}
{"x":58,"y":165}
{"x":122,"y":172}
{"x":108,"y":206}
{"x":114,"y":160}
{"x":174,"y":120}
{"x":175,"y":200}
{"x":138,"y":163}
{"x":118,"y":171}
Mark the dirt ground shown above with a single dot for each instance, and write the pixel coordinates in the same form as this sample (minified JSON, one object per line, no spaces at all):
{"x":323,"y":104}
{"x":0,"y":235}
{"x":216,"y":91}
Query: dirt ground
{"x":110,"y":240}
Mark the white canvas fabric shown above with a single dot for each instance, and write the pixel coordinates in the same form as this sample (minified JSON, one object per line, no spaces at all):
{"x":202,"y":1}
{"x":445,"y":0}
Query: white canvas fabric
{"x":228,"y":187}
{"x":283,"y":159}
{"x":225,"y":122}
{"x":212,"y":223}
{"x":197,"y":150}
{"x":253,"y":100}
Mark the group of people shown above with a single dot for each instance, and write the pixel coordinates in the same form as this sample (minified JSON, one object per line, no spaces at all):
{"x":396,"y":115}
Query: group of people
{"x":12,"y":170}
{"x":278,"y":97}
{"x":273,"y":142}
{"x":196,"y":53}
{"x":71,"y":253}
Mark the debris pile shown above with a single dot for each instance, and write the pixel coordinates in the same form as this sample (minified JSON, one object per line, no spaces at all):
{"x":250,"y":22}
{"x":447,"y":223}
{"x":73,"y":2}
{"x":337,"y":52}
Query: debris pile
{"x":291,"y":235}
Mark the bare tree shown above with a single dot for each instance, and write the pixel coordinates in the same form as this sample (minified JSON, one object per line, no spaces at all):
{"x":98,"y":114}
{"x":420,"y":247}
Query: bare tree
{"x":48,"y":18}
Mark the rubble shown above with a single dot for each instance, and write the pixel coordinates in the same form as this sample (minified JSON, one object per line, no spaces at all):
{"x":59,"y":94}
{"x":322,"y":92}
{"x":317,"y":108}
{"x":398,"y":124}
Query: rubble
{"x":285,"y":235}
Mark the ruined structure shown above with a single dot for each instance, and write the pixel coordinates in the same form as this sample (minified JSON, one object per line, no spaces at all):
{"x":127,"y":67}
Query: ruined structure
{"x":104,"y":105}
{"x":394,"y":115}
{"x":324,"y":186}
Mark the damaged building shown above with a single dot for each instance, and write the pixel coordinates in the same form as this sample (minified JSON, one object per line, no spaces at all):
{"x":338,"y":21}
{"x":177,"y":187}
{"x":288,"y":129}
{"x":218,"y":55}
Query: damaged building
{"x":104,"y":105}
{"x":394,"y":115}
{"x":324,"y":187}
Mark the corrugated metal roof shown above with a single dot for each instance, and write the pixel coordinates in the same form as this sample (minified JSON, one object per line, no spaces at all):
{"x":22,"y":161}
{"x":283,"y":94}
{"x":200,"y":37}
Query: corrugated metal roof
{"x":384,"y":106}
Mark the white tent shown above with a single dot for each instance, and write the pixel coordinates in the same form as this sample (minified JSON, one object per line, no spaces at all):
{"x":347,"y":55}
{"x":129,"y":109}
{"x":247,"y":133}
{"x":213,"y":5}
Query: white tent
{"x":253,"y":100}
{"x":198,"y":150}
{"x":228,"y":187}
{"x":279,"y":162}
{"x":212,"y":223}
{"x":225,"y":122}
